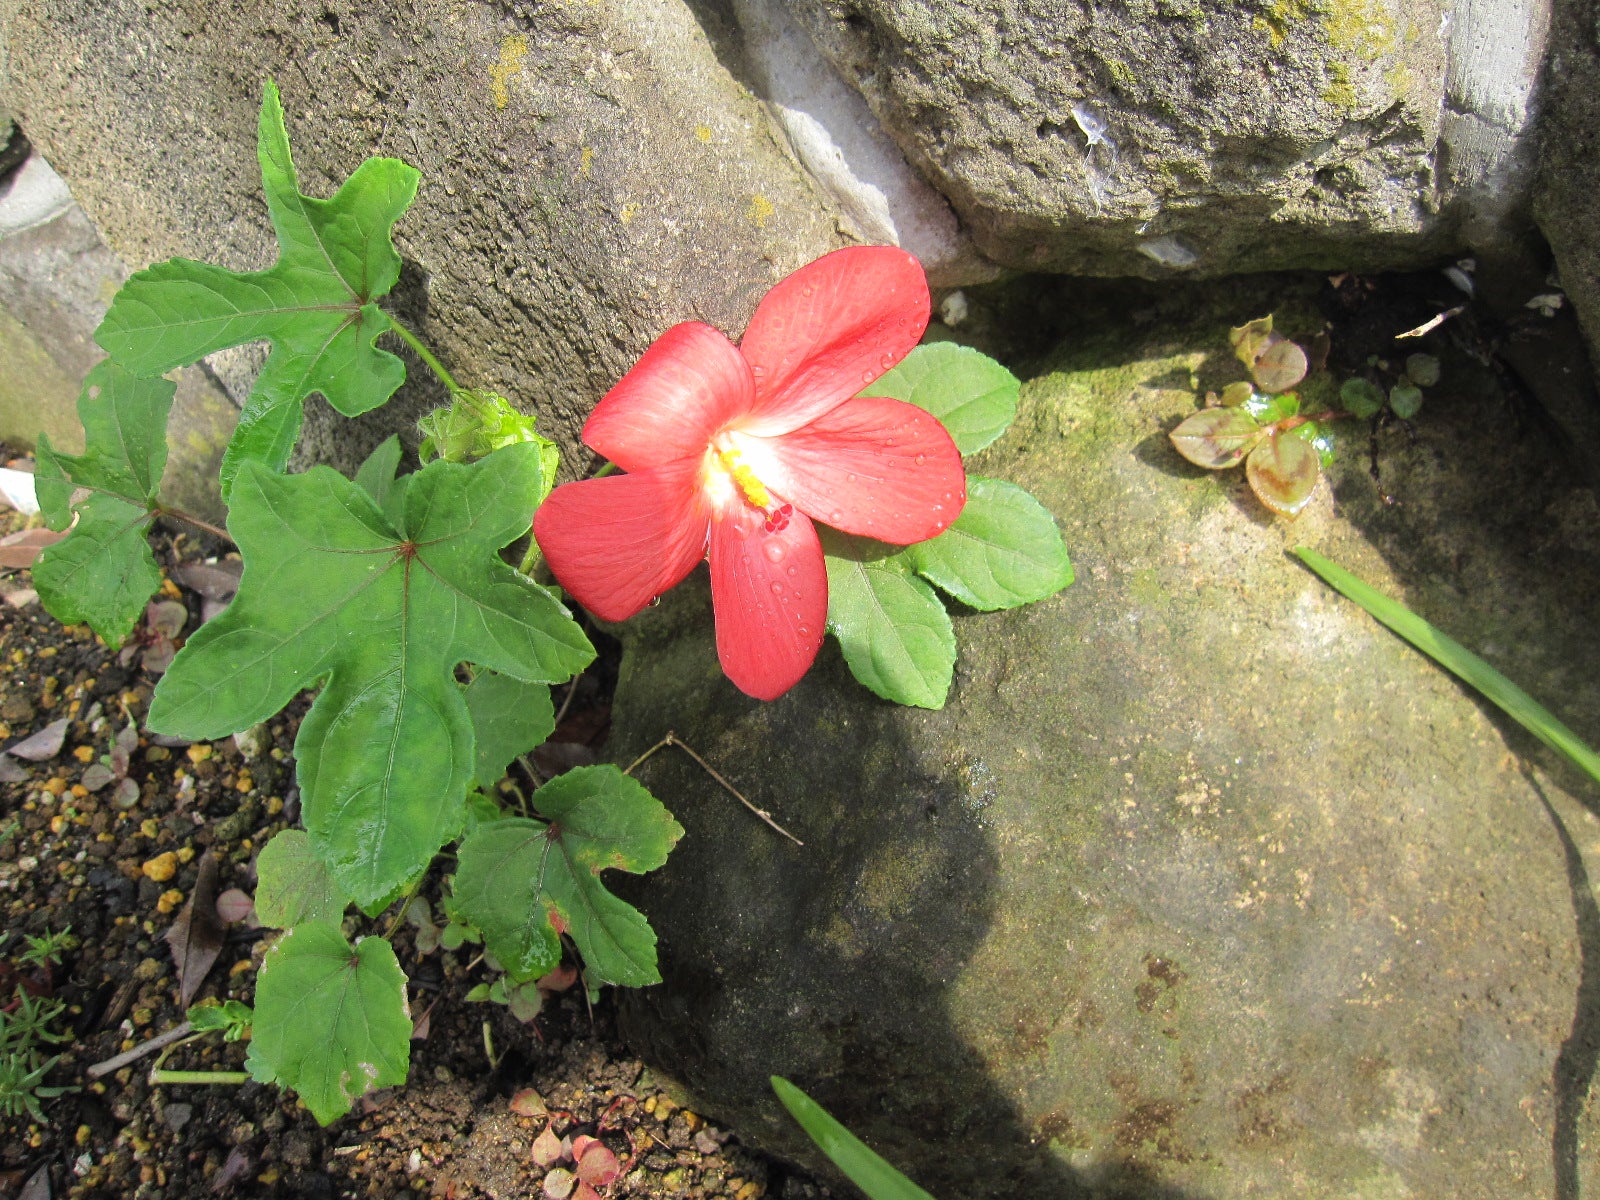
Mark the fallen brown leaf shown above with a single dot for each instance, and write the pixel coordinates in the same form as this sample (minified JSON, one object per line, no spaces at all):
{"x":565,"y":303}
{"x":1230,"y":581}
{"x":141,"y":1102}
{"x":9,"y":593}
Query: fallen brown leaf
{"x":19,"y":549}
{"x":196,"y":936}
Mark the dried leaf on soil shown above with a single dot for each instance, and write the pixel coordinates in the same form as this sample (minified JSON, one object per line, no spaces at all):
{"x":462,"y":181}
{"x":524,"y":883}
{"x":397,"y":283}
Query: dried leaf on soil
{"x":44,"y":744}
{"x":196,"y":936}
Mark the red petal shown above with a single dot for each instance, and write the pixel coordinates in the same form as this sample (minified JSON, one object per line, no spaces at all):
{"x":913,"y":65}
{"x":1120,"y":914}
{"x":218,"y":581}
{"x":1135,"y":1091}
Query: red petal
{"x":687,"y":386}
{"x":873,"y":466}
{"x":830,"y":329}
{"x":616,"y":542}
{"x":770,"y":595}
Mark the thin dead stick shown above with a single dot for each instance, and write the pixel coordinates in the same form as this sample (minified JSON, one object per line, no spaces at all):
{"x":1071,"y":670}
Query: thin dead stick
{"x":159,"y":1042}
{"x":672,"y":739}
{"x":1433,"y":323}
{"x":572,"y":690}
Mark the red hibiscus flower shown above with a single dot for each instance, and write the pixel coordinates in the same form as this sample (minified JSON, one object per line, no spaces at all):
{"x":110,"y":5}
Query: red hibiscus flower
{"x":731,"y":452}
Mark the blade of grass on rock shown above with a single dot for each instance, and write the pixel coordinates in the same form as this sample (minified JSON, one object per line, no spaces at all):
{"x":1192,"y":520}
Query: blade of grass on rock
{"x":849,"y":1153}
{"x":1459,"y":661}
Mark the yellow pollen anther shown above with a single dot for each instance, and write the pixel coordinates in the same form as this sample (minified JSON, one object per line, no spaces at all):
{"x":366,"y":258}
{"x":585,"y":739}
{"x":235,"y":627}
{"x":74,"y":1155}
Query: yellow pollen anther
{"x":754,"y":490}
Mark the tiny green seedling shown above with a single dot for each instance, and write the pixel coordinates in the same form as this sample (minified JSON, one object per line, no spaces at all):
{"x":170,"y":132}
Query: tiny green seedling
{"x":24,"y":1027}
{"x":47,"y":947}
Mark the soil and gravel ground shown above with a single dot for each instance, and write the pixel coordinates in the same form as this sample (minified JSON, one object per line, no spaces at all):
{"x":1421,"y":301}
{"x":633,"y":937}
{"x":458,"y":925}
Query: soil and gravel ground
{"x":117,"y":864}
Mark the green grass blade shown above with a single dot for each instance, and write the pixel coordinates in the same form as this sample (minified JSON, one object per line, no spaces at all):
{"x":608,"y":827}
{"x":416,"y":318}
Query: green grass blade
{"x":849,"y":1153}
{"x":1459,"y":661}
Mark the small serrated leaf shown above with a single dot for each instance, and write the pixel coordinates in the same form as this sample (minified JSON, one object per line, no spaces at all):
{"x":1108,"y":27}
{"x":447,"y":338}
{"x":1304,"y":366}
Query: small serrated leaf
{"x":1284,"y":471}
{"x":1216,"y":438}
{"x":331,"y":1020}
{"x":293,"y":886}
{"x":1406,"y":400}
{"x":972,"y":395}
{"x":521,"y":881}
{"x":896,"y":635}
{"x":509,"y":718}
{"x":1004,"y":550}
{"x":102,"y":572}
{"x":315,"y":304}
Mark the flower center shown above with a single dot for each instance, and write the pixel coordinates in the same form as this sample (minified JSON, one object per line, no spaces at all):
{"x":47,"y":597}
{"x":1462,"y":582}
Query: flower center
{"x":739,"y":473}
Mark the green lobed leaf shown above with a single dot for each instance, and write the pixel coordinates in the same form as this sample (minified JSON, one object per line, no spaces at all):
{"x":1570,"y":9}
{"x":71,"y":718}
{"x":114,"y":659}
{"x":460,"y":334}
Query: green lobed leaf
{"x":1361,"y":398}
{"x":331,"y":1020}
{"x":315,"y":304}
{"x":102,"y":572}
{"x":334,"y":594}
{"x":1216,"y":438}
{"x":1459,"y":661}
{"x":896,"y":636}
{"x":376,"y":474}
{"x":971,"y":394}
{"x":523,"y":883}
{"x":293,"y":886}
{"x":850,"y":1154}
{"x":1284,"y":471}
{"x":1004,"y":550}
{"x":509,"y":718}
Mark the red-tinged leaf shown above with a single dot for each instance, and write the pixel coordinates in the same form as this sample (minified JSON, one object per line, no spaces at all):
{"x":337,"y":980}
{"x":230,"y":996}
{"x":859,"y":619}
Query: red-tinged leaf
{"x":196,"y":936}
{"x":1251,"y":338}
{"x":1235,"y":394}
{"x":96,"y":777}
{"x":214,"y":581}
{"x":585,"y":1192}
{"x":238,"y":1163}
{"x":1284,"y":472}
{"x":166,"y":617}
{"x":597,"y":1166}
{"x":19,"y":549}
{"x":45,"y":744}
{"x":1279,"y":367}
{"x":528,"y":1103}
{"x":547,"y":1148}
{"x":558,"y":980}
{"x":126,"y":795}
{"x":122,"y":748}
{"x":1216,"y":438}
{"x":580,"y":1146}
{"x":558,"y":1184}
{"x":158,"y":657}
{"x":234,"y":906}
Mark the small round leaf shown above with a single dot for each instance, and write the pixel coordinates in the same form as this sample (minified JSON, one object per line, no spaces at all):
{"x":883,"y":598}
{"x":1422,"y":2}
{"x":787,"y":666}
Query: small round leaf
{"x":1361,"y":398}
{"x":1216,"y":438}
{"x":1280,"y":367}
{"x":1283,"y":472}
{"x":1422,"y":370}
{"x":1406,"y":400}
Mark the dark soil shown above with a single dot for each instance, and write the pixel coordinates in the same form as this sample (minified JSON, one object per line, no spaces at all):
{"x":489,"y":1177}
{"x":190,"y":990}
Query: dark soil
{"x":119,"y":877}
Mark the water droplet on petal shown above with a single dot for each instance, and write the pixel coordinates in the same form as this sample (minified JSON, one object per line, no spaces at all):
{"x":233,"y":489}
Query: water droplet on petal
{"x":777,"y":588}
{"x":794,"y":570}
{"x":834,"y":516}
{"x":921,"y":458}
{"x":774,"y":551}
{"x":886,"y":360}
{"x":758,"y":370}
{"x":849,"y":478}
{"x":804,"y":631}
{"x":807,"y":290}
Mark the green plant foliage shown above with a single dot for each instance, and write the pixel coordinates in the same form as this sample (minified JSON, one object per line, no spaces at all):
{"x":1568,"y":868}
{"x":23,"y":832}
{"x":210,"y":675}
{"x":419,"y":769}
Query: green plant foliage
{"x":1406,"y":400}
{"x":522,"y":882}
{"x":862,"y":1166}
{"x":1004,"y":550}
{"x":331,"y":1020}
{"x":24,"y":1025}
{"x":333,"y":591}
{"x":509,"y":718}
{"x":1459,"y":661}
{"x":293,"y":886}
{"x":1361,"y":398}
{"x":232,"y":1018}
{"x":476,"y":424}
{"x":377,"y":477}
{"x":103,"y":572}
{"x":1217,"y":438}
{"x":896,"y":636}
{"x":974,"y":396}
{"x":1422,"y":369}
{"x":315,"y":304}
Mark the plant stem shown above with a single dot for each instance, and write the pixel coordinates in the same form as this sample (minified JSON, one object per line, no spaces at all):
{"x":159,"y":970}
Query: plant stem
{"x":233,"y":1078}
{"x":426,"y":355}
{"x":118,"y":1061}
{"x":177,"y":514}
{"x":605,"y":470}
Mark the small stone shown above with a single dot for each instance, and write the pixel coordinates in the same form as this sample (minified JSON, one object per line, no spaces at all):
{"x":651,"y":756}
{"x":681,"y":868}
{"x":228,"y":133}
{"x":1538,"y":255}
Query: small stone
{"x":148,"y":969}
{"x":162,"y":867}
{"x":177,"y":1116}
{"x":169,"y":900}
{"x":84,"y":754}
{"x":142,"y":1017}
{"x":157,"y":754}
{"x":199,"y":752}
{"x":55,"y":786}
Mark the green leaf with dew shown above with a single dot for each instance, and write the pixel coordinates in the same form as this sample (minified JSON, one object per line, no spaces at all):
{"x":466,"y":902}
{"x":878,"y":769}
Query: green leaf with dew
{"x":1004,"y":550}
{"x":971,"y":394}
{"x":509,"y":718}
{"x":861,"y":1165}
{"x":1314,"y":434}
{"x":331,"y":1020}
{"x":316,"y":304}
{"x":1459,"y":661}
{"x":523,"y":882}
{"x":896,"y":635}
{"x":334,"y":594}
{"x":102,"y":572}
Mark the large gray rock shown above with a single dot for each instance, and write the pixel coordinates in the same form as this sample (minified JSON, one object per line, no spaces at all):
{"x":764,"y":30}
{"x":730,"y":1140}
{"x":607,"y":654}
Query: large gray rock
{"x":591,"y":173}
{"x":1203,"y":885}
{"x":1160,"y":135}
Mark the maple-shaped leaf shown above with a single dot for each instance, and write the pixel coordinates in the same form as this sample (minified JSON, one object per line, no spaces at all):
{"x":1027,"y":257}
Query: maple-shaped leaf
{"x":315,"y":304}
{"x":103,"y":572}
{"x":522,"y":883}
{"x":335,"y":594}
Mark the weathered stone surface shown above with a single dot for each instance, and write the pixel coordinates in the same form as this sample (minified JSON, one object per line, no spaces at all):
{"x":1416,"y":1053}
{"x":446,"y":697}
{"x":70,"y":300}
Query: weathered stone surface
{"x":1568,"y":199}
{"x":56,"y":279}
{"x":591,"y":174}
{"x":1159,"y":135}
{"x":1203,"y":885}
